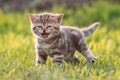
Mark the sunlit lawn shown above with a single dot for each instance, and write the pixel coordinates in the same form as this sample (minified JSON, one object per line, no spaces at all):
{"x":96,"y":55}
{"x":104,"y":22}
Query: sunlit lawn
{"x":17,"y":52}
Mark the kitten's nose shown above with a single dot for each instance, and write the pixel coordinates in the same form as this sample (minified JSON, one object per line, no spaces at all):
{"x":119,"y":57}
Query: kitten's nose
{"x":44,"y":30}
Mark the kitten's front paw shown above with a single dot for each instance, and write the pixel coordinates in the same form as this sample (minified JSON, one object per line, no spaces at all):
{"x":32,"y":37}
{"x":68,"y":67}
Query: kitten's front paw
{"x":91,"y":59}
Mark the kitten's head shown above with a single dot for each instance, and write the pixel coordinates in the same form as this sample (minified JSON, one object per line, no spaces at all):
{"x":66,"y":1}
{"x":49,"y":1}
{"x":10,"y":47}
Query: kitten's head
{"x":45,"y":25}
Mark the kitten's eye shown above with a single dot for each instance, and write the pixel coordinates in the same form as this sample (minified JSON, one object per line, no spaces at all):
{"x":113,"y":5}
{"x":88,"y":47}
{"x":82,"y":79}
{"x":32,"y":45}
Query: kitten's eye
{"x":49,"y":26}
{"x":39,"y":26}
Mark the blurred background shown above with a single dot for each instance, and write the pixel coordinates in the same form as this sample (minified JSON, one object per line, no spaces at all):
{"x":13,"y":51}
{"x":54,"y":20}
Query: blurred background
{"x":76,"y":12}
{"x":21,"y":5}
{"x":17,"y":52}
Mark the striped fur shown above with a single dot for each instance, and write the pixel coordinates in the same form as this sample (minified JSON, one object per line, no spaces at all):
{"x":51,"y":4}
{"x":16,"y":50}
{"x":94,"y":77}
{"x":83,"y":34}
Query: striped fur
{"x":88,"y":31}
{"x":59,"y":42}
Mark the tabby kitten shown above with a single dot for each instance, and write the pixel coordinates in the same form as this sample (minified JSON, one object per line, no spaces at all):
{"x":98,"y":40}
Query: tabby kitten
{"x":59,"y":42}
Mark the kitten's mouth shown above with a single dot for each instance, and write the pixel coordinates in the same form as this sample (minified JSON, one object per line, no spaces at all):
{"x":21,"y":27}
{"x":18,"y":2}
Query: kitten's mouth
{"x":45,"y":35}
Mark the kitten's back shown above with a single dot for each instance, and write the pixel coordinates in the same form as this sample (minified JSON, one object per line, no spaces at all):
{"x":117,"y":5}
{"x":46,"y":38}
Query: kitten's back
{"x":85,"y":31}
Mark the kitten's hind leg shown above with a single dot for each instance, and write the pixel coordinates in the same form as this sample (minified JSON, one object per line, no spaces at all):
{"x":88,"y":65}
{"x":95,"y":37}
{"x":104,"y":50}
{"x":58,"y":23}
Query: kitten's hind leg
{"x":85,"y":51}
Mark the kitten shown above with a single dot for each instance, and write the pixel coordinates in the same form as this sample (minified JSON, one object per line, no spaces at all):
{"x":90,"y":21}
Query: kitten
{"x":59,"y":42}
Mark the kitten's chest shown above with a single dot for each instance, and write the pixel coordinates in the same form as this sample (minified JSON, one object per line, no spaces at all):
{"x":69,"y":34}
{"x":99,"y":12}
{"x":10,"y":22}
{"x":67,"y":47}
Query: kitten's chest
{"x":62,"y":45}
{"x":50,"y":46}
{"x":44,"y":46}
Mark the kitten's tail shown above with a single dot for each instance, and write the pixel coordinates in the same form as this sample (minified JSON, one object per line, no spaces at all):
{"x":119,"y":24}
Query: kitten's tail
{"x":88,"y":31}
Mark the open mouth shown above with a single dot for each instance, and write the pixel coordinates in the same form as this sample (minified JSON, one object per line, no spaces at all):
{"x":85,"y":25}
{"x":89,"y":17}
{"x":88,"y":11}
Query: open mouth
{"x":45,"y":35}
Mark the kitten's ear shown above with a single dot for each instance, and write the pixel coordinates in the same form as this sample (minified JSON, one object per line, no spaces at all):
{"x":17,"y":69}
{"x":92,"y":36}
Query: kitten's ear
{"x":32,"y":17}
{"x":59,"y":17}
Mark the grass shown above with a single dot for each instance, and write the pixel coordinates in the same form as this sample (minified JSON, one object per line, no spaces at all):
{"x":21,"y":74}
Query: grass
{"x":17,"y":52}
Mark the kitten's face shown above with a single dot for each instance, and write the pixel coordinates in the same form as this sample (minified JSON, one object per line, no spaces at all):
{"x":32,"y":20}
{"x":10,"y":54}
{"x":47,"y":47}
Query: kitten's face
{"x":45,"y":25}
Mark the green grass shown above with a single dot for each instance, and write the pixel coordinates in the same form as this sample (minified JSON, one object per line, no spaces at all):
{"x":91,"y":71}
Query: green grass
{"x":17,"y":52}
